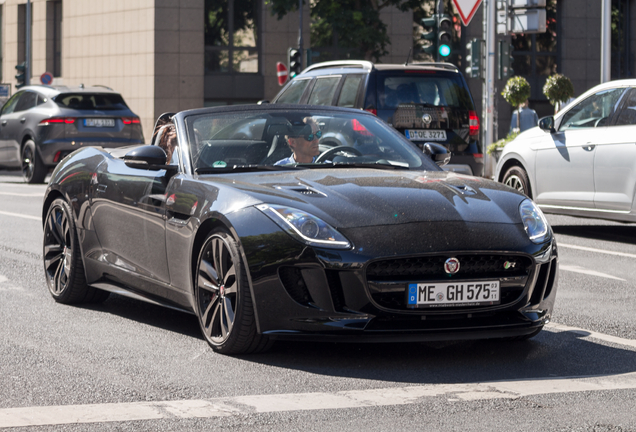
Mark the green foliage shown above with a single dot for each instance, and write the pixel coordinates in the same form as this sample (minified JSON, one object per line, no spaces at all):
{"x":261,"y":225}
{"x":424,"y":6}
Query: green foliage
{"x":558,"y":88}
{"x":498,"y":145}
{"x":516,"y":91}
{"x":353,"y":25}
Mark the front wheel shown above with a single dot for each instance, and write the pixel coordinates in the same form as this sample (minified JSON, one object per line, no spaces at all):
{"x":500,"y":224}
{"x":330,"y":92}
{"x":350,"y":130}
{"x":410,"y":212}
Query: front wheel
{"x":63,"y":260}
{"x":517,"y":178}
{"x":223,"y":300}
{"x":33,"y":169}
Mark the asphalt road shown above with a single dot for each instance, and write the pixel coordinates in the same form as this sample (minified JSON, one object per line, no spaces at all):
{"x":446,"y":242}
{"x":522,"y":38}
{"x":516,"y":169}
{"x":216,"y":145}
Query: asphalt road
{"x":127,"y":365}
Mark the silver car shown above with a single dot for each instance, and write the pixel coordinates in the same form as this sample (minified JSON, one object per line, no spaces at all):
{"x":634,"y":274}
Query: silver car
{"x":582,"y":161}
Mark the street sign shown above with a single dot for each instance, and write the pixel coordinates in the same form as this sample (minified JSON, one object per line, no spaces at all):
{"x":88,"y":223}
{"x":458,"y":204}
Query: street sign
{"x":46,"y":78}
{"x":466,"y":9}
{"x":281,"y":71}
{"x":528,"y":21}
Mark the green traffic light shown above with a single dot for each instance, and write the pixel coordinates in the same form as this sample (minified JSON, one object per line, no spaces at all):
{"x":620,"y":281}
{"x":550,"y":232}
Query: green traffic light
{"x":444,"y":50}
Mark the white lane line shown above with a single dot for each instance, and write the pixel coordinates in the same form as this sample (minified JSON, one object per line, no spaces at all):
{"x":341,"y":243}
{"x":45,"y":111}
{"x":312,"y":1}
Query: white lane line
{"x":21,"y":216}
{"x":23,"y":194}
{"x":623,"y":254}
{"x":244,"y":405}
{"x":588,"y":334}
{"x":577,"y":269}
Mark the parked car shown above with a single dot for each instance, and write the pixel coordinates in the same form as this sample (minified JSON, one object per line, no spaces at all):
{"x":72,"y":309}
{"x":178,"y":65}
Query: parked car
{"x":369,"y":243}
{"x":582,"y":161}
{"x":40,"y":125}
{"x":424,"y":101}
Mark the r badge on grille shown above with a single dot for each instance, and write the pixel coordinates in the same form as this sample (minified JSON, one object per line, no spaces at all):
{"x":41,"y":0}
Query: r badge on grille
{"x":451,"y":266}
{"x":427,"y":119}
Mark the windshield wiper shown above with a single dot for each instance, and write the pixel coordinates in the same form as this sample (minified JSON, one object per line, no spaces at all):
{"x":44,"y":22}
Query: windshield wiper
{"x":245,"y":168}
{"x":374,"y":165}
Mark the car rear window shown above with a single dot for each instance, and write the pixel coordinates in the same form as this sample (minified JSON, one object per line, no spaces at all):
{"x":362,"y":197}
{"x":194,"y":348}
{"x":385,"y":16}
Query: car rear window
{"x":434,"y":90}
{"x":91,"y":101}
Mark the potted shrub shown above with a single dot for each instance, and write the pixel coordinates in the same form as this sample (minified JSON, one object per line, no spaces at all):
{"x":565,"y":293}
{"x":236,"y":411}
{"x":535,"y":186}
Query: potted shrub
{"x":495,"y":148}
{"x":516,"y":92}
{"x":558,"y":89}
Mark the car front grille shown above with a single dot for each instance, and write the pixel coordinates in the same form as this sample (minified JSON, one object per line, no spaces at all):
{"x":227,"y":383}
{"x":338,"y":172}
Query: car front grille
{"x":388,"y":279}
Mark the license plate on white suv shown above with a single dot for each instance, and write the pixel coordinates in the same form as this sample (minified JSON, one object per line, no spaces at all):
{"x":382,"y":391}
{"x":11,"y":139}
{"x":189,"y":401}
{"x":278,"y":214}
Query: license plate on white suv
{"x":448,"y":294}
{"x":425,"y":135}
{"x":99,"y":122}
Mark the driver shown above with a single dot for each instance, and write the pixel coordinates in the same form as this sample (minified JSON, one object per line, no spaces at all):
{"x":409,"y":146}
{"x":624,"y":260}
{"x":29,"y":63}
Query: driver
{"x":303,"y":141}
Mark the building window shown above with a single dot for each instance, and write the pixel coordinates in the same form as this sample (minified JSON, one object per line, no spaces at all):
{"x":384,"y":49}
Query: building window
{"x":621,"y":37}
{"x":231,"y":36}
{"x":54,"y":37}
{"x":22,"y":31}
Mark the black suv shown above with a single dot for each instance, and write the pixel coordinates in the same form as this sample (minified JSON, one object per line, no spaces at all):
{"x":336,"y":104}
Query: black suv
{"x":428,"y":102}
{"x":40,"y":125}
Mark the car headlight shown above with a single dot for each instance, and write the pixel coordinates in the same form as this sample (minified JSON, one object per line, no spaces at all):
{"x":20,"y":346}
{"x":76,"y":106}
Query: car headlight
{"x":534,"y":221}
{"x":305,"y":227}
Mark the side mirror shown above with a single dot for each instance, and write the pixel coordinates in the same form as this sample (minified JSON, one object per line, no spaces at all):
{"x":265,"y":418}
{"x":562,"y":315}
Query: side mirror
{"x":148,"y":157}
{"x":438,"y":153}
{"x":547,"y":124}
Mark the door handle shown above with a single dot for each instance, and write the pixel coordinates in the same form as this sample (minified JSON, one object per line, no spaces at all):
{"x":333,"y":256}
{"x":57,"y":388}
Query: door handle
{"x":4,"y":122}
{"x":589,"y":147}
{"x":23,"y":119}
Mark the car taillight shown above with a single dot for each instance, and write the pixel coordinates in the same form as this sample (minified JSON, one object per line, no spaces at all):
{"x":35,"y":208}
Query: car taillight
{"x":359,"y":128}
{"x":478,"y":155}
{"x":372,"y":111}
{"x":130,"y":120}
{"x":473,"y":123}
{"x":54,"y":120}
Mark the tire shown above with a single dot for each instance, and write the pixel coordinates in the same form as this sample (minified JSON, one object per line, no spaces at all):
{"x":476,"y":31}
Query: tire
{"x":33,"y":169}
{"x":517,"y":178}
{"x":62,"y":258}
{"x":223,"y":302}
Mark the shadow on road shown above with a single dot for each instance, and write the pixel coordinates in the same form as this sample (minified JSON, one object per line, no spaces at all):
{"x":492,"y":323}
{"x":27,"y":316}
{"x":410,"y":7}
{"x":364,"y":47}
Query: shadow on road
{"x":613,"y":233}
{"x":550,"y":354}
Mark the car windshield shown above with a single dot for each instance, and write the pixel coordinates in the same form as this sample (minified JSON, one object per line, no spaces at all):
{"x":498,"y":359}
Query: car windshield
{"x":91,"y":101}
{"x":297,"y":139}
{"x":415,"y":88}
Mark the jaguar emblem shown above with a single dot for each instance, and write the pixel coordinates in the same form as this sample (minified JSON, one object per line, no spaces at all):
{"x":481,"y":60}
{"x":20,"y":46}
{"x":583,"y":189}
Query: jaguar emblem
{"x":451,"y":266}
{"x":427,"y":119}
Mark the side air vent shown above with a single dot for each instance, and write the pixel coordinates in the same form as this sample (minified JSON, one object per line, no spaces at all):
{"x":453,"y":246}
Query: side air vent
{"x":303,"y":190}
{"x":295,"y":285}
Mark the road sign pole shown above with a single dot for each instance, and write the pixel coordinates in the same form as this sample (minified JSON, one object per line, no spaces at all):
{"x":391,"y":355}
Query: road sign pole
{"x":488,"y":89}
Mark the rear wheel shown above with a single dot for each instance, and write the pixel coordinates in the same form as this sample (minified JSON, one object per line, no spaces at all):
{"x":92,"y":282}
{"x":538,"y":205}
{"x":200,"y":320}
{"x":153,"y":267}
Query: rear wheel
{"x":223,"y":299}
{"x":33,"y":169}
{"x":63,"y":261}
{"x":517,"y":178}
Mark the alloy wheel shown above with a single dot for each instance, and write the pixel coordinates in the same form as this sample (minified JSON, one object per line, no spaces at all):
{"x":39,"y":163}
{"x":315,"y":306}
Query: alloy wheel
{"x":57,"y":249}
{"x":515,"y":182}
{"x":28,"y":162}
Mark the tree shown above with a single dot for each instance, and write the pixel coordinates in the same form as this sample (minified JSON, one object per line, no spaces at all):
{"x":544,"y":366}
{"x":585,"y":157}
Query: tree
{"x":558,"y":89}
{"x":516,"y":92}
{"x":351,"y":24}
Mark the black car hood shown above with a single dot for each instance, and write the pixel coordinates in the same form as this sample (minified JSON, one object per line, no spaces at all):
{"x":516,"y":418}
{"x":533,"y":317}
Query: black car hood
{"x":359,"y":197}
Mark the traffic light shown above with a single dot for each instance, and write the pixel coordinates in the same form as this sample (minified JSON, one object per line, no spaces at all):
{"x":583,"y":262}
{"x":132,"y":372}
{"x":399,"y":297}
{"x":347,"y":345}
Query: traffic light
{"x":430,"y":35}
{"x":21,"y":76}
{"x":505,"y":60}
{"x":473,"y":58}
{"x":444,"y":35}
{"x":294,"y":61}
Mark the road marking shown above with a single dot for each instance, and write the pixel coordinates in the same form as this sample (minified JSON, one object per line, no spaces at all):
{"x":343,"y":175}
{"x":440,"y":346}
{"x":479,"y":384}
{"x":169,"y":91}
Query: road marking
{"x":23,"y":194}
{"x":623,"y":254}
{"x":3,"y":279}
{"x":21,"y":216}
{"x":577,"y":269}
{"x":245,"y":405}
{"x":587,"y":334}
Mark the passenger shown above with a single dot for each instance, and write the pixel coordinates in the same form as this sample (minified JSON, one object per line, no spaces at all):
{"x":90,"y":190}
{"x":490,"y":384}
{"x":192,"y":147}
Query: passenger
{"x":168,"y":142}
{"x":303,"y":141}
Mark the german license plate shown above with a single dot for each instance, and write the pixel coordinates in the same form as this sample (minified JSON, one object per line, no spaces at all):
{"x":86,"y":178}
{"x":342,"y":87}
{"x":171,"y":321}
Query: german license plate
{"x":425,"y":135}
{"x":99,"y":122}
{"x":446,"y":294}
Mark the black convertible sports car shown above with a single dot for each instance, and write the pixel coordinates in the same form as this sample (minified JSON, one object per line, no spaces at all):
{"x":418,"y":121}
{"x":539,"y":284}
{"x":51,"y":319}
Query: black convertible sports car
{"x":369,"y":241}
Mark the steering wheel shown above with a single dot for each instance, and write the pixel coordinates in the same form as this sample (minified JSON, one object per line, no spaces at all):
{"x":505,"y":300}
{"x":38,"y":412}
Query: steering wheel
{"x":332,"y":151}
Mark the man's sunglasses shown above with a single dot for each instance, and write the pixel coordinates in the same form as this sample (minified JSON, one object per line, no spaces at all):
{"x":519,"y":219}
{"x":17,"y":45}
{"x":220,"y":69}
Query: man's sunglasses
{"x":310,"y":137}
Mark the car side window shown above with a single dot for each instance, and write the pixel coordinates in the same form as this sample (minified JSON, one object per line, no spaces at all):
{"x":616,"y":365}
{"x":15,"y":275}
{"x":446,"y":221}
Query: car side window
{"x":627,"y":115}
{"x":349,"y":92}
{"x":27,"y":101}
{"x":294,"y":92}
{"x":9,"y":107}
{"x":594,"y":111}
{"x":323,"y":91}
